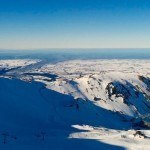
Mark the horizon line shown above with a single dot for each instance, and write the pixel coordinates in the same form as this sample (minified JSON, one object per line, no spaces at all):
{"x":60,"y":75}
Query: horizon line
{"x":72,"y":48}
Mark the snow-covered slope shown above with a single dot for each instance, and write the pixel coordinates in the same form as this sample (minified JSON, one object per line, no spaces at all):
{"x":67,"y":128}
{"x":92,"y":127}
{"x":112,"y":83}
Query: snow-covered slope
{"x":94,"y":104}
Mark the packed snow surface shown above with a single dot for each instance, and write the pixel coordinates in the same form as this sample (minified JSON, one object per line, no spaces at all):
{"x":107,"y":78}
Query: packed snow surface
{"x":80,"y":104}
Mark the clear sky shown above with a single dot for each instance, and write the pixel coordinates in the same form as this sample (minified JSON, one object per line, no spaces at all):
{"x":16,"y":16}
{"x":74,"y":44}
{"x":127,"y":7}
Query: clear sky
{"x":74,"y":24}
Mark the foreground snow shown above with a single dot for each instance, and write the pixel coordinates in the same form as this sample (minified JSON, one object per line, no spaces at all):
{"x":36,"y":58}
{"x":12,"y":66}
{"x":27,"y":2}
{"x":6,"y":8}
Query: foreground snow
{"x":92,"y":104}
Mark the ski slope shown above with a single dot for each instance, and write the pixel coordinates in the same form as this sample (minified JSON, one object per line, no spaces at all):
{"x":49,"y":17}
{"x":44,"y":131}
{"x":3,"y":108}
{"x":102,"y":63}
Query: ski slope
{"x":80,"y":104}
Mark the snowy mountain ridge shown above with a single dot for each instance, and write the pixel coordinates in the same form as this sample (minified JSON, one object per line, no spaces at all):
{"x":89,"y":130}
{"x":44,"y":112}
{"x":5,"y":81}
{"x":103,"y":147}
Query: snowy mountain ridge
{"x":81,"y":99}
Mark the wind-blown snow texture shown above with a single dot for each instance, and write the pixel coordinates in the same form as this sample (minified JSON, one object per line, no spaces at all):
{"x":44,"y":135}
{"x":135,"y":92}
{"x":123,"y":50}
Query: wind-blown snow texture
{"x":90,"y":104}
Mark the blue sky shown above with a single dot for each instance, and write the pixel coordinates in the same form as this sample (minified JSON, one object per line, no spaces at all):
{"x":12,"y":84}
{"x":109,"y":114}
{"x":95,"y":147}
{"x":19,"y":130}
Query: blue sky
{"x":26,"y":24}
